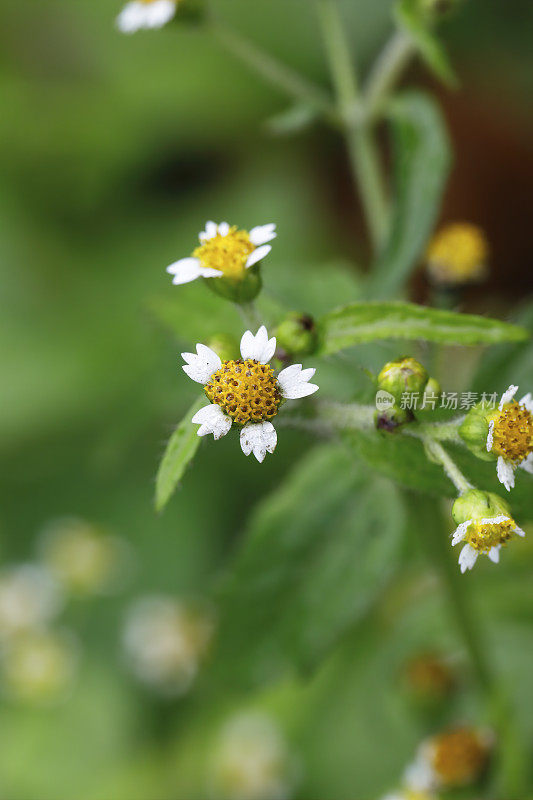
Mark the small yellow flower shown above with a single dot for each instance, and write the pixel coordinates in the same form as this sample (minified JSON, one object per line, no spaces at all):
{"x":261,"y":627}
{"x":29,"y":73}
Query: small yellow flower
{"x":224,"y":251}
{"x":429,"y":676}
{"x":458,"y":254}
{"x":451,"y":760}
{"x":510,"y":436}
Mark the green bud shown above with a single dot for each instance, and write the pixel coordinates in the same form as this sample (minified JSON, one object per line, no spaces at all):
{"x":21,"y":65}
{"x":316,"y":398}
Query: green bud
{"x":236,"y":289}
{"x":477,"y":504}
{"x":297,"y":334}
{"x":225,"y":346}
{"x":403,"y":375}
{"x":474,"y":431}
{"x":389,"y":420}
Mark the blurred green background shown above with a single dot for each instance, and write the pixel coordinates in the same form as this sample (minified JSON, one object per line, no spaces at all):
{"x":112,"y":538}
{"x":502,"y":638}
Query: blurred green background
{"x":115,"y":150}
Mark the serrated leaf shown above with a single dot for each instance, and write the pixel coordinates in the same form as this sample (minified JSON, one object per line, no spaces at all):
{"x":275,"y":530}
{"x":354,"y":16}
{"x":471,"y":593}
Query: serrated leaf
{"x":410,"y":17}
{"x":180,"y":451}
{"x":316,"y":554}
{"x":365,"y":322}
{"x":422,"y":160}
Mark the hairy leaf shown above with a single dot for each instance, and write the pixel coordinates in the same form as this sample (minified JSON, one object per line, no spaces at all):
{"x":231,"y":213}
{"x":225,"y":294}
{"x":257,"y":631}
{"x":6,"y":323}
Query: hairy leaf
{"x":180,"y":451}
{"x":316,"y":554}
{"x":421,"y":164}
{"x":366,"y":322}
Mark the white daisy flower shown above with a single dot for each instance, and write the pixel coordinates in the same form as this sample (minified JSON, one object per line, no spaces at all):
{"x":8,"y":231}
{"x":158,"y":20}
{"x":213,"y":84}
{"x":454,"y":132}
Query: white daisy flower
{"x":246,"y":391}
{"x":145,"y":15}
{"x":484,"y":536}
{"x":510,"y":436}
{"x":224,"y":252}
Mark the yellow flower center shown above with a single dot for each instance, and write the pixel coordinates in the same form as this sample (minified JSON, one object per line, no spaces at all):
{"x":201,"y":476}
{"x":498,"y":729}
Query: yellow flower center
{"x":228,"y":254}
{"x":513,"y":432}
{"x":459,"y":757}
{"x":458,"y":254}
{"x":247,"y":390}
{"x":482,"y":537}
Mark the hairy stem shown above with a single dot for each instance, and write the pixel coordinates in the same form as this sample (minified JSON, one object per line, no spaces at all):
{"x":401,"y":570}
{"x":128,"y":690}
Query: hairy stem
{"x":362,"y":152}
{"x":385,"y":73}
{"x":437,"y":452}
{"x":250,"y":315}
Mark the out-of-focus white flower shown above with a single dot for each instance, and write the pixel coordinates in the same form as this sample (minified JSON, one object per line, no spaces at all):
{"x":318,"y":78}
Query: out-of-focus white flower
{"x":165,"y":641}
{"x":450,"y":760}
{"x":39,"y":666}
{"x":29,"y":598}
{"x":252,"y":761}
{"x":246,"y":391}
{"x":510,"y":436}
{"x":224,"y":252}
{"x":145,"y":15}
{"x":84,"y":559}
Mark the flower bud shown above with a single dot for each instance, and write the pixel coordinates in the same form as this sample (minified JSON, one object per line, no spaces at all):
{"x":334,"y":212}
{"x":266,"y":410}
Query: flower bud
{"x":477,"y":504}
{"x":297,"y":334}
{"x":225,"y":346}
{"x":402,"y":375}
{"x":474,"y":431}
{"x":389,"y":420}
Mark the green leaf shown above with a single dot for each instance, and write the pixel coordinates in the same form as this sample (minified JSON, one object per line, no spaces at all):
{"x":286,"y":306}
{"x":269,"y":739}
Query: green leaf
{"x":402,"y":459}
{"x":365,"y":322}
{"x":317,"y":553}
{"x":411,"y":18}
{"x":180,"y":450}
{"x":421,"y":164}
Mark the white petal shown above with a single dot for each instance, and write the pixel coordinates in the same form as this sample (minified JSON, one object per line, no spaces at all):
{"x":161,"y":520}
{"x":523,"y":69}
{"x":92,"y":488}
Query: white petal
{"x":188,"y":269}
{"x":467,"y":558}
{"x":527,"y":402}
{"x":259,"y":347}
{"x":258,"y":438}
{"x":257,"y":255}
{"x":159,"y":13}
{"x":508,"y":396}
{"x":131,"y":18}
{"x":494,"y":554}
{"x":211,"y":230}
{"x":212,"y":420}
{"x":419,"y":776}
{"x":490,"y":437}
{"x":505,"y":473}
{"x":494,"y":520}
{"x":293,"y":382}
{"x":527,"y":464}
{"x":460,"y":532}
{"x":262,"y":234}
{"x":519,"y":531}
{"x":223,"y":228}
{"x":201,"y":367}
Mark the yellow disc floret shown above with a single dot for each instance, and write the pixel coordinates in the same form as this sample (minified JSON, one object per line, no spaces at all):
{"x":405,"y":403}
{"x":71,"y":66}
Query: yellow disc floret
{"x":512,"y":436}
{"x":247,"y":390}
{"x":483,"y":535}
{"x":458,"y":254}
{"x":459,"y":757}
{"x":228,"y":254}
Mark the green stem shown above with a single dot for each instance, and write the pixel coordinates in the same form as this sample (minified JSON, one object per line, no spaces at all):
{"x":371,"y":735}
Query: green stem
{"x":250,"y":315}
{"x":385,"y":73}
{"x":440,"y":431}
{"x":362,"y":152}
{"x":270,"y":69}
{"x":437,"y":452}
